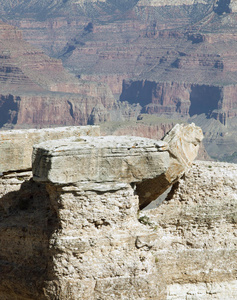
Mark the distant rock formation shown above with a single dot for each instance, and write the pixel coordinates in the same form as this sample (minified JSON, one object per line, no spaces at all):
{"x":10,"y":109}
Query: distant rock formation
{"x":36,"y":91}
{"x":170,"y":2}
{"x":174,"y":57}
{"x":182,"y":98}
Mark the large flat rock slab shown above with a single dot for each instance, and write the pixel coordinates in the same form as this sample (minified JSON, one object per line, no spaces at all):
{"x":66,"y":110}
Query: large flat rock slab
{"x":16,"y":145}
{"x":152,"y":166}
{"x":99,"y":159}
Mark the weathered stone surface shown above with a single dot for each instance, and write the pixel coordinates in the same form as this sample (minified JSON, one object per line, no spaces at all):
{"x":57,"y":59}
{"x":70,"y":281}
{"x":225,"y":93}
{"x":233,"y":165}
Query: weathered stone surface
{"x":197,"y":223}
{"x":183,"y":141}
{"x":152,"y":165}
{"x":66,"y":241}
{"x":16,"y":145}
{"x":71,"y":242}
{"x":99,"y":159}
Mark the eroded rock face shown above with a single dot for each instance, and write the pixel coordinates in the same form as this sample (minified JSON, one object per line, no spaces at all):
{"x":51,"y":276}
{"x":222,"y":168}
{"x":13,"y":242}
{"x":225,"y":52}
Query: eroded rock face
{"x":185,"y":99}
{"x":36,"y":91}
{"x":152,"y":165}
{"x":86,"y":241}
{"x":198,"y":221}
{"x":16,"y":145}
{"x":73,"y":242}
{"x":98,"y":160}
{"x":183,"y":145}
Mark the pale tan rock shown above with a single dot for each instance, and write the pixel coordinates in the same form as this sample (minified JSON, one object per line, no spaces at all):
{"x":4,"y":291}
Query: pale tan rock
{"x":183,"y":144}
{"x":87,"y":241}
{"x":153,"y":165}
{"x":77,"y":234}
{"x":203,"y":291}
{"x":197,"y":226}
{"x":183,"y":141}
{"x":233,"y":6}
{"x":98,"y":159}
{"x":16,"y":145}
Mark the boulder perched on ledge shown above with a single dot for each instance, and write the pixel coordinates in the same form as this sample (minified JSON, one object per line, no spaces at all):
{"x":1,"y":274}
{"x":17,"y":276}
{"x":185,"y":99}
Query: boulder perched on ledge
{"x":98,"y":159}
{"x":77,"y":234}
{"x":183,"y":143}
{"x":16,"y":145}
{"x":152,"y":165}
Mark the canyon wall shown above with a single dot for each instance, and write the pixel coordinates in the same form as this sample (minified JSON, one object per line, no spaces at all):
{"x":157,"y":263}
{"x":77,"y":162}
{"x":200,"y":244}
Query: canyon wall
{"x":36,"y":91}
{"x":179,"y":55}
{"x":182,"y":98}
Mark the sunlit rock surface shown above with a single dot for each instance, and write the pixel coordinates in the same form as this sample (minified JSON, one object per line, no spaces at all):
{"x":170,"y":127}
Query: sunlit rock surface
{"x":16,"y":145}
{"x":152,"y":165}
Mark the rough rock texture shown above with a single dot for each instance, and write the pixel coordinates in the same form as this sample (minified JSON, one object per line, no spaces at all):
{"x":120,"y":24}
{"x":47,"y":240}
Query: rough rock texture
{"x":152,"y":165}
{"x":16,"y":145}
{"x":197,"y":223}
{"x":71,"y":243}
{"x":183,"y":145}
{"x":87,"y":241}
{"x":100,"y":159}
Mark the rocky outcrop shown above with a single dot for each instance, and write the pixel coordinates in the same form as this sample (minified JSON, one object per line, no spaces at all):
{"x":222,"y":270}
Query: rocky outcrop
{"x":85,"y":240}
{"x":92,"y":179}
{"x":104,"y":159}
{"x":16,"y":145}
{"x":183,"y":145}
{"x":153,"y":166}
{"x":197,"y":220}
{"x":153,"y":130}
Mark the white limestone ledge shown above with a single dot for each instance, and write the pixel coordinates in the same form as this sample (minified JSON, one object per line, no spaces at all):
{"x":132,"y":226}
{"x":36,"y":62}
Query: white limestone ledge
{"x":99,"y":160}
{"x":151,"y":165}
{"x":16,"y":145}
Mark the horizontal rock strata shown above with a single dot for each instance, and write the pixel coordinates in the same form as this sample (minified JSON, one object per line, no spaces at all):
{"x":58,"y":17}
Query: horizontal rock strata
{"x":152,"y":165}
{"x":36,"y":91}
{"x":197,"y":226}
{"x":16,"y":145}
{"x":84,"y":240}
{"x":102,"y":159}
{"x":70,"y":241}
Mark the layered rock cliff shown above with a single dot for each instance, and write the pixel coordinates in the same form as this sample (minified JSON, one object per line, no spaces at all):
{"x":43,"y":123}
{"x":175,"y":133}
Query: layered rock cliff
{"x":176,"y":55}
{"x":36,"y":91}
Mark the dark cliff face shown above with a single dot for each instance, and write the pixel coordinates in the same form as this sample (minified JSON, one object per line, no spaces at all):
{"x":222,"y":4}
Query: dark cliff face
{"x":169,"y":97}
{"x":222,"y":7}
{"x":205,"y":99}
{"x":9,"y":106}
